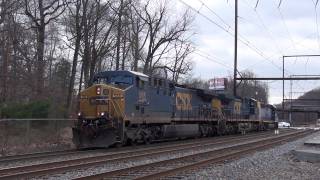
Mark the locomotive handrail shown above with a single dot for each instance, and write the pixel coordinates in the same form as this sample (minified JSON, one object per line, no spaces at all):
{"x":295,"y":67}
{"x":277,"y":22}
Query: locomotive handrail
{"x":117,"y":108}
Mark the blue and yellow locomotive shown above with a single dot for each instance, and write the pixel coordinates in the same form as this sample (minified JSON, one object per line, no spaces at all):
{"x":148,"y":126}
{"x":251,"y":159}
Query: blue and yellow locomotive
{"x":130,"y":107}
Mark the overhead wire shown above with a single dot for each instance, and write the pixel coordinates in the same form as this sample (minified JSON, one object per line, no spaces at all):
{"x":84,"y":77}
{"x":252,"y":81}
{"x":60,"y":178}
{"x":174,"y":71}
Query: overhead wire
{"x":247,"y":42}
{"x":316,"y":20}
{"x":216,"y":14}
{"x":257,"y":3}
{"x":270,"y":34}
{"x":213,"y":60}
{"x":241,"y":39}
{"x":285,"y":25}
{"x":210,"y":20}
{"x":280,"y":1}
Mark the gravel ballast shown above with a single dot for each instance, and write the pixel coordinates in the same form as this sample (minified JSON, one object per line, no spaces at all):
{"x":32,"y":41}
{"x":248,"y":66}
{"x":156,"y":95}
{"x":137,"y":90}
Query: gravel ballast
{"x":140,"y":161}
{"x":275,"y":163}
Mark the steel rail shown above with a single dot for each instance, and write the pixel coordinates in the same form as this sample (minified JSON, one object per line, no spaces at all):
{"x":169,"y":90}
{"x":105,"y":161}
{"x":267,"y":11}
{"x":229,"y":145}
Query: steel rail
{"x":63,"y":166}
{"x":161,"y":164}
{"x":33,"y":156}
{"x":221,"y":158}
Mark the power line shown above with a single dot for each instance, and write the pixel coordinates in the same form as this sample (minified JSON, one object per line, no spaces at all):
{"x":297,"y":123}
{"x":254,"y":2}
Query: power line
{"x":213,"y":60}
{"x":219,"y":17}
{"x":256,"y":4}
{"x":285,"y":25}
{"x":241,"y":39}
{"x":279,"y":3}
{"x":210,"y":20}
{"x":208,"y":57}
{"x":215,"y":57}
{"x":264,"y":27}
{"x":316,"y":19}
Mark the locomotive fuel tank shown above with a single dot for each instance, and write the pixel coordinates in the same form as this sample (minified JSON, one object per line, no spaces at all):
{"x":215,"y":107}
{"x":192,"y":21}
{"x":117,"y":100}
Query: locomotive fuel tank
{"x":100,"y":117}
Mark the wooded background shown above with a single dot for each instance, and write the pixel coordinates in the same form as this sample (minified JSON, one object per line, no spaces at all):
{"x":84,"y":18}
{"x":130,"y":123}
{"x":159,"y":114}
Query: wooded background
{"x":51,"y":49}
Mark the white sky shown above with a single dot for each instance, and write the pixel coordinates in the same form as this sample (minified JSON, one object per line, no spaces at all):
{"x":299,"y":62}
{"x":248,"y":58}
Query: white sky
{"x":289,"y":30}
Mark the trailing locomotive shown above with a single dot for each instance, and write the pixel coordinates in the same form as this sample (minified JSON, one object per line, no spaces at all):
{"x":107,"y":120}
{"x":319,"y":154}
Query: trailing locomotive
{"x":130,"y":107}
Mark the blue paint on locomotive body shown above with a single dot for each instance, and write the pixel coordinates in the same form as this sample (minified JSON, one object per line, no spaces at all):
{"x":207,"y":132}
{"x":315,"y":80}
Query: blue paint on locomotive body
{"x":152,"y":99}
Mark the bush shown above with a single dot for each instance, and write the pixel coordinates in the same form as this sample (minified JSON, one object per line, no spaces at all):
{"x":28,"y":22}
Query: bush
{"x":36,"y":109}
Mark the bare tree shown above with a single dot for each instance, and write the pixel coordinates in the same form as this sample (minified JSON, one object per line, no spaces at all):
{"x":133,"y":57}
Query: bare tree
{"x":41,"y":13}
{"x":250,"y":88}
{"x":161,"y":32}
{"x":181,"y":65}
{"x":138,"y":34}
{"x":7,"y":10}
{"x":119,"y":25}
{"x":102,"y":27}
{"x":76,"y":30}
{"x":45,"y":40}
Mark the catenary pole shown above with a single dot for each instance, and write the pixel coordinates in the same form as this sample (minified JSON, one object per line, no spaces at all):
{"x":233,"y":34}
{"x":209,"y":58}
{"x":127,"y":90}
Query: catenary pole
{"x":235,"y":48}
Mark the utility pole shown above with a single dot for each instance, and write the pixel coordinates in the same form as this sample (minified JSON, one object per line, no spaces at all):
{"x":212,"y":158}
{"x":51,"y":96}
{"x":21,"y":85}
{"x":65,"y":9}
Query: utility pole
{"x":235,"y":48}
{"x":283,"y":87}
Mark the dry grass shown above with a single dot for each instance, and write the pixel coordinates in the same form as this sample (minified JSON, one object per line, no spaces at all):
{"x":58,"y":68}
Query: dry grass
{"x":42,"y":136}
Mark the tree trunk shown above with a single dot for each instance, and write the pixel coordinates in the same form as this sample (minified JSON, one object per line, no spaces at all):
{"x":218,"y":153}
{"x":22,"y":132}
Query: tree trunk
{"x":93,"y":65}
{"x":75,"y":57}
{"x":4,"y":57}
{"x":119,"y":35}
{"x":136,"y":52}
{"x":40,"y":55}
{"x":73,"y":72}
{"x":87,"y":53}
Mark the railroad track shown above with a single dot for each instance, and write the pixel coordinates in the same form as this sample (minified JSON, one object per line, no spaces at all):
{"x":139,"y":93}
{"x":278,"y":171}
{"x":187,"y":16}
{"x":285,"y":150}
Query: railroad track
{"x":166,"y":168}
{"x":34,"y":156}
{"x":53,"y":154}
{"x":68,"y":165}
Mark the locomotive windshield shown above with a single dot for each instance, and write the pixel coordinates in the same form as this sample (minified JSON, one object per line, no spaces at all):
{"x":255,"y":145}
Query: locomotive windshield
{"x":124,"y":80}
{"x":120,"y":80}
{"x":100,"y":80}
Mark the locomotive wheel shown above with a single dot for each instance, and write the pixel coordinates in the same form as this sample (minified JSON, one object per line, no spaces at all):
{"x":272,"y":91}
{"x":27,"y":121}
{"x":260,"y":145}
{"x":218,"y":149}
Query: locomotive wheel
{"x":147,"y":141}
{"x":221,"y":127}
{"x":124,"y":142}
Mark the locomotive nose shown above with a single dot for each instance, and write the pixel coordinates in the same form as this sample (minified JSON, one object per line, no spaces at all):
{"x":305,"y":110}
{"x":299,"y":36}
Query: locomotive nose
{"x":101,"y":111}
{"x":100,"y":101}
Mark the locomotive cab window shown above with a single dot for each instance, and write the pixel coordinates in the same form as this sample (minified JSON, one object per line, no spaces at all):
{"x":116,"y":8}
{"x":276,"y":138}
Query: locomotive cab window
{"x":140,"y":83}
{"x":160,"y":82}
{"x":150,"y":82}
{"x":100,"y":80}
{"x":121,"y":80}
{"x":155,"y":82}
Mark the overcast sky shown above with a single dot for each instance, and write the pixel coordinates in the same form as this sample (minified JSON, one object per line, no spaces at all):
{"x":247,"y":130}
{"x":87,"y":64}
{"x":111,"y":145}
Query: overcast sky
{"x":269,"y":31}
